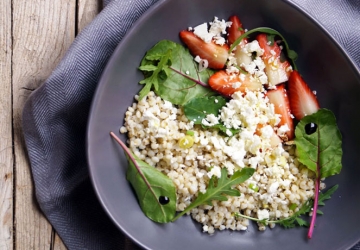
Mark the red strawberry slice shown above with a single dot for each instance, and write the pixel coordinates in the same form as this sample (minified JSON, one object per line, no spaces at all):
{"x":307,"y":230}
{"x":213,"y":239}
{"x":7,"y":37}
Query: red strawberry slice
{"x":276,"y":71}
{"x":234,"y":32}
{"x":302,"y":100}
{"x":227,"y":84}
{"x":280,"y":99}
{"x":215,"y":54}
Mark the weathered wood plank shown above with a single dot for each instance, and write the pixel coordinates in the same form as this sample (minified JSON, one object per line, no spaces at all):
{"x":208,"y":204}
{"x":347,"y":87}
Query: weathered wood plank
{"x":6,"y":155}
{"x":87,"y":10}
{"x":42,"y":32}
{"x":57,"y":244}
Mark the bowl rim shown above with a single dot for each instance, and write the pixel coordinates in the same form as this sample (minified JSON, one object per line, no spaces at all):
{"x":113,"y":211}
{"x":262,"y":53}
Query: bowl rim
{"x":104,"y":78}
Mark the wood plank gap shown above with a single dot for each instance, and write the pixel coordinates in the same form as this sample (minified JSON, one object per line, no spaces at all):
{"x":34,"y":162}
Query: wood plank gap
{"x":52,"y":242}
{"x":12,"y":125}
{"x":77,"y":17}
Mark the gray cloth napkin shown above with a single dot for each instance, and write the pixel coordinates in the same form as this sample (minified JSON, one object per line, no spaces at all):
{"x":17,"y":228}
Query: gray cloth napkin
{"x":55,"y":118}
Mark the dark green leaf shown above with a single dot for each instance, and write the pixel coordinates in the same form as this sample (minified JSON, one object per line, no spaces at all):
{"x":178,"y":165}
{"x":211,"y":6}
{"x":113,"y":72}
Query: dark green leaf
{"x":321,"y":150}
{"x":198,"y":108}
{"x":301,"y":222}
{"x":148,"y":68}
{"x":182,"y":80}
{"x":221,"y":127}
{"x":149,"y":185}
{"x":327,"y":195}
{"x":271,"y":39}
{"x":154,"y":79}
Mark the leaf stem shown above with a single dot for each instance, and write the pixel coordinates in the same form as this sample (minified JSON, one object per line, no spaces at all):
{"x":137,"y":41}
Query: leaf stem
{"x":126,"y":149}
{"x":190,"y":78}
{"x":316,"y":201}
{"x":267,"y":31}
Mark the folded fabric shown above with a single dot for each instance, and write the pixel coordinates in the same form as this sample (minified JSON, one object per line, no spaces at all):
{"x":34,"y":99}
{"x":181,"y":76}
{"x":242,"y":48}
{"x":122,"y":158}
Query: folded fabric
{"x":55,"y":118}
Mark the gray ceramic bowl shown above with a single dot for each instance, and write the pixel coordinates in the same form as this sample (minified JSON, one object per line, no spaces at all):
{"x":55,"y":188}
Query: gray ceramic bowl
{"x":322,"y":63}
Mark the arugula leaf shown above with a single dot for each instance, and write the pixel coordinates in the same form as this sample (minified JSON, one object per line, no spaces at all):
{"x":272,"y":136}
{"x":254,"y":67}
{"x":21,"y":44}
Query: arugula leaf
{"x":150,"y":186}
{"x":295,"y":219}
{"x":219,"y":190}
{"x":292,"y":55}
{"x":171,"y":71}
{"x":154,"y":78}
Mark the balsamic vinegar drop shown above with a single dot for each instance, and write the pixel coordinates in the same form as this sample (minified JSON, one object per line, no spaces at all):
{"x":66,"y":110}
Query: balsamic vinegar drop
{"x":310,"y":128}
{"x":164,"y":200}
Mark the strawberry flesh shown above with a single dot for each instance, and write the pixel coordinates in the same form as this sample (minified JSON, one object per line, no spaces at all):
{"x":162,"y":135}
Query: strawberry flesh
{"x":227,"y":84}
{"x":233,"y":31}
{"x":279,"y":98}
{"x":302,"y":100}
{"x":276,"y":71}
{"x":215,"y":54}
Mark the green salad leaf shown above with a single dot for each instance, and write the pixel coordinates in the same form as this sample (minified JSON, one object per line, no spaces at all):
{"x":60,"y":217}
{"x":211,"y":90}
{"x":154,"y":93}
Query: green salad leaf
{"x":218,"y":188}
{"x":318,"y":143}
{"x":320,"y":151}
{"x":170,"y":70}
{"x":154,"y":190}
{"x":199,"y":107}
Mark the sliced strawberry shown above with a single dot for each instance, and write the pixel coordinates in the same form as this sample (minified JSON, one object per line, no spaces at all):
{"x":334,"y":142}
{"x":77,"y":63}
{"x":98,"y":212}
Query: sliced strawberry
{"x":280,"y":99}
{"x":276,"y":71}
{"x":215,"y":54}
{"x":302,"y":100}
{"x":235,"y":30}
{"x":227,"y":84}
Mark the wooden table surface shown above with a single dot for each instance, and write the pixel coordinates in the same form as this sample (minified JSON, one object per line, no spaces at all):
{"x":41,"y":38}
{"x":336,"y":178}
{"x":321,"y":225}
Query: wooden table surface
{"x":34,"y":35}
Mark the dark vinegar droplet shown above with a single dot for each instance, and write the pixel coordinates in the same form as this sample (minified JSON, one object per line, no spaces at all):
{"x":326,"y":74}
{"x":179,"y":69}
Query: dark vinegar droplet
{"x":310,"y":128}
{"x":164,"y":200}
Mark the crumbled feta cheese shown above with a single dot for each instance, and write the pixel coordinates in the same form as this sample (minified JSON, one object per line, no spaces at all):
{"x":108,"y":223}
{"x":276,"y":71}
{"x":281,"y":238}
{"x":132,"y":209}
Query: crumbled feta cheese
{"x":273,"y":187}
{"x":202,"y":32}
{"x":197,"y":59}
{"x":210,"y":120}
{"x":215,"y":171}
{"x":267,"y":131}
{"x":217,"y":29}
{"x":263,"y":214}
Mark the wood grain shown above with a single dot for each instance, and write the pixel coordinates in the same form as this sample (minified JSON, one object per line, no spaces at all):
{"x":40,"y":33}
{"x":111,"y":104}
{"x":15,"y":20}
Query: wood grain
{"x":42,"y":32}
{"x":34,"y":36}
{"x":6,"y":156}
{"x":87,"y":10}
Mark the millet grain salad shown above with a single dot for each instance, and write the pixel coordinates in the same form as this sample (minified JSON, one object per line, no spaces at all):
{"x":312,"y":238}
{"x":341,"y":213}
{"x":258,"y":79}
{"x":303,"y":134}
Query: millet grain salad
{"x":232,"y":104}
{"x":156,"y":129}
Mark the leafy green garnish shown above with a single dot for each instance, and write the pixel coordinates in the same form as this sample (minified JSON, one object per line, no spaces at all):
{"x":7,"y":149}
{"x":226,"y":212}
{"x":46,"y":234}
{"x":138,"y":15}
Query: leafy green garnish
{"x":150,"y":186}
{"x":218,"y":188}
{"x":198,"y":108}
{"x":291,"y":54}
{"x":320,"y":151}
{"x":295,"y":219}
{"x":170,"y":70}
